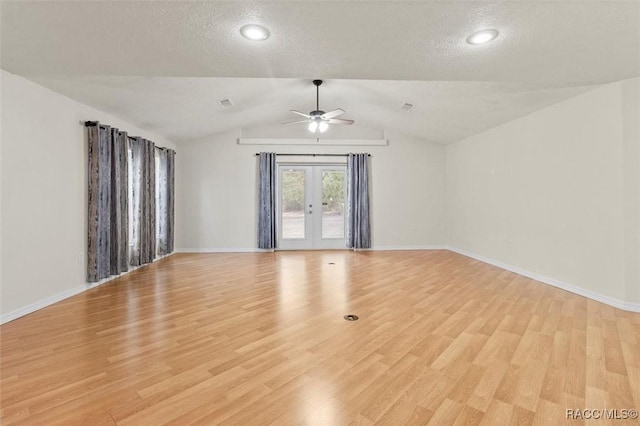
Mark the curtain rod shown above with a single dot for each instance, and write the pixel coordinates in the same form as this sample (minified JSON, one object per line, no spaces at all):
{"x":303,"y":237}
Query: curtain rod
{"x":97,"y":123}
{"x":313,"y":155}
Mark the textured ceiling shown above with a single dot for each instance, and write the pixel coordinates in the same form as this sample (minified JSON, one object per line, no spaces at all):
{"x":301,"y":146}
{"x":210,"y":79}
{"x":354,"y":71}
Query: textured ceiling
{"x":164,"y":65}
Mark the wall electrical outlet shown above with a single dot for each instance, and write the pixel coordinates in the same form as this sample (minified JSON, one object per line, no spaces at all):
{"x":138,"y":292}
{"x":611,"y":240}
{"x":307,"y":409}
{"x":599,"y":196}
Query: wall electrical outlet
{"x":80,"y":257}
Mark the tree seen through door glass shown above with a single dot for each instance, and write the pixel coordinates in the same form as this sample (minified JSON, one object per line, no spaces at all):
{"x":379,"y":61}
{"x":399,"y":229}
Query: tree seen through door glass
{"x":293,"y":217}
{"x":333,"y":204}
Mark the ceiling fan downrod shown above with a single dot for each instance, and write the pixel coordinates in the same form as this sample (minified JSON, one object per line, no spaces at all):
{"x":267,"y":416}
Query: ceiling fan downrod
{"x":317,"y":83}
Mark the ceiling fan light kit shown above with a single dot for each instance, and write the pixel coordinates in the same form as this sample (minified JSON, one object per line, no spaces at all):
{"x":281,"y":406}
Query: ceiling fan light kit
{"x":318,"y":120}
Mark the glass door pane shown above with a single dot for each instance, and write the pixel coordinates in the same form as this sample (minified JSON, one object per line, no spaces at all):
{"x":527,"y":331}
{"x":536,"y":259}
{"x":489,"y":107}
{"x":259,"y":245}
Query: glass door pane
{"x":293,"y":204}
{"x":333,"y":203}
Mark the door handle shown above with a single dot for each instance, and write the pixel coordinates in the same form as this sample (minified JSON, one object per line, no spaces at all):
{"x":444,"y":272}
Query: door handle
{"x":310,"y":212}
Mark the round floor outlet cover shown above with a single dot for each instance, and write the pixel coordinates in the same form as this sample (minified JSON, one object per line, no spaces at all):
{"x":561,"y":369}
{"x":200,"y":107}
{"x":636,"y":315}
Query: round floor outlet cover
{"x":351,"y":317}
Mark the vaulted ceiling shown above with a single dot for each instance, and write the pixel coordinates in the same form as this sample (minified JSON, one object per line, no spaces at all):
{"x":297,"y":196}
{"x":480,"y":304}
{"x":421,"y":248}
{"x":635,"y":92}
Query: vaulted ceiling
{"x":164,"y":65}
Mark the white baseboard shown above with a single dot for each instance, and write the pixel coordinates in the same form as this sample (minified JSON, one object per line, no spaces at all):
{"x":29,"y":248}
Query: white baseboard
{"x":257,"y":250}
{"x":391,"y":248}
{"x":222,"y":250}
{"x":25,"y":310}
{"x":611,"y":301}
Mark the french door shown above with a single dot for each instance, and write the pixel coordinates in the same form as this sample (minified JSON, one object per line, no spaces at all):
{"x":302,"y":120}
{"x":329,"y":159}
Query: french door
{"x":311,"y":207}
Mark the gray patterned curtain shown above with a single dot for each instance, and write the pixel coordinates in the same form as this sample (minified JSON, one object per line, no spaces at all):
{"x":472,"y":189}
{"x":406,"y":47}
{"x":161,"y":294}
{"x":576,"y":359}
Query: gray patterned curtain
{"x":267,"y":201}
{"x":164,"y":205}
{"x":107,"y":240}
{"x":358,"y":201}
{"x":171,"y":179}
{"x":142,"y":201}
{"x":119,"y":203}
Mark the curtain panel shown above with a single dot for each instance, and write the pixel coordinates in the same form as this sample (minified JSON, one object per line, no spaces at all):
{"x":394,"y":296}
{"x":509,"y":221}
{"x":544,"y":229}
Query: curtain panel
{"x":171,"y":185}
{"x":107,"y":239}
{"x":267,"y":201}
{"x":358,"y":201}
{"x":164,"y":195}
{"x":142,"y":201}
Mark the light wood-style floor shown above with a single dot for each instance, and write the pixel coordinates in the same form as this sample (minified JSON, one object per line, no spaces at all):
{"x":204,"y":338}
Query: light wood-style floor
{"x":259,"y":338}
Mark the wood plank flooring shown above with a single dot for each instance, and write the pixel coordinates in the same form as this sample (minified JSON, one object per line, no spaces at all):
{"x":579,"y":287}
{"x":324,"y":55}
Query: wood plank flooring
{"x":259,"y":339}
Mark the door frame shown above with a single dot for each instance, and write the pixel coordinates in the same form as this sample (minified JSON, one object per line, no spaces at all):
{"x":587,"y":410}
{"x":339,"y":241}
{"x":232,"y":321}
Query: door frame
{"x":313,"y":224}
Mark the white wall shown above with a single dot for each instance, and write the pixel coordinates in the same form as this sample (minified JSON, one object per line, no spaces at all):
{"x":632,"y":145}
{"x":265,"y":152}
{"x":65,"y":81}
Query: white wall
{"x":556,"y":193}
{"x":44,"y":188}
{"x":631,"y":166}
{"x":216,"y":187}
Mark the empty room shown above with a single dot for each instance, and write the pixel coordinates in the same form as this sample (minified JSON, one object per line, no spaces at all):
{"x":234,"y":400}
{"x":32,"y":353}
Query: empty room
{"x":320,"y":212}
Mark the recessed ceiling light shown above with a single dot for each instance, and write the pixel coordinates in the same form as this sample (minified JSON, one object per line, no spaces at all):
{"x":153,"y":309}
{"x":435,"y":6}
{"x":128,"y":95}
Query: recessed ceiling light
{"x":481,"y":37}
{"x":254,"y":32}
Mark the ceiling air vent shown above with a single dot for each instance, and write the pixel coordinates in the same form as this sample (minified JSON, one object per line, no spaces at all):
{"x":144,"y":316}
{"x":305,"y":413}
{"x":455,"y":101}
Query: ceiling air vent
{"x":225,"y":102}
{"x":407,"y":106}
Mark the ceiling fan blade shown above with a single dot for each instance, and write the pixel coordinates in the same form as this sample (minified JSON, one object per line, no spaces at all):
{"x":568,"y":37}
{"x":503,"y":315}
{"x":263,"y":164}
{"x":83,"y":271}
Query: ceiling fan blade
{"x":332,"y":114}
{"x":340,"y":121}
{"x":300,"y":113}
{"x":296,"y":122}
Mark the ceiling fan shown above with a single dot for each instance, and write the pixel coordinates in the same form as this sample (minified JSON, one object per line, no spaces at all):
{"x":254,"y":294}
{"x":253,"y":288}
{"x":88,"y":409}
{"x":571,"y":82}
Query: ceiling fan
{"x":318,"y":120}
